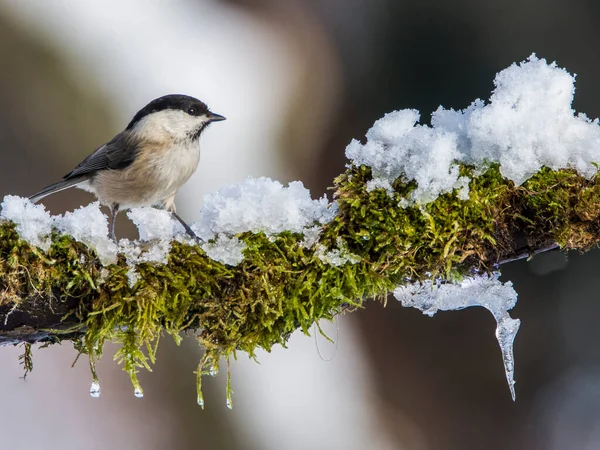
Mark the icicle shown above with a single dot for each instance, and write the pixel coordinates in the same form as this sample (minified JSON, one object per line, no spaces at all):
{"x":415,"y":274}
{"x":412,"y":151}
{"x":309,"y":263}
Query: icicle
{"x":506,"y":331}
{"x":229,"y":391}
{"x":486,"y":291}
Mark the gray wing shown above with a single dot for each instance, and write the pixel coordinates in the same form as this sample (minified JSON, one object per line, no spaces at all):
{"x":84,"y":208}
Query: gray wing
{"x":119,"y":153}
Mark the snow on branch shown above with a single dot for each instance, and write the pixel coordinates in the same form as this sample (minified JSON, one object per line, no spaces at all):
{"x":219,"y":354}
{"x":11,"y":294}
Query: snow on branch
{"x":427,"y":212}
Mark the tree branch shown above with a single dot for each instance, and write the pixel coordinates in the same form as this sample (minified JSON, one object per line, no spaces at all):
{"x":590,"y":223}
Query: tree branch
{"x":282,"y":284}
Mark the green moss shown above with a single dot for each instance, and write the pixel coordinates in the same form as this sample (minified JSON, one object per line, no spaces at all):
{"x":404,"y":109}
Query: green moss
{"x":26,"y":359}
{"x":566,"y":203}
{"x":418,"y":242}
{"x":66,"y":271}
{"x":281,"y":286}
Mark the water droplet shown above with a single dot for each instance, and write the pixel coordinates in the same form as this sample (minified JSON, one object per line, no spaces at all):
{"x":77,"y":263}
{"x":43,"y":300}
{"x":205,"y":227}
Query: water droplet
{"x":138,"y":392}
{"x":229,"y":403}
{"x":214,"y":371}
{"x":200,"y":401}
{"x":95,"y":389}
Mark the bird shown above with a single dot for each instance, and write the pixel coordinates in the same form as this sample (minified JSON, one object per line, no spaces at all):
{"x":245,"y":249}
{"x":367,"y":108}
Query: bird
{"x":147,"y":163}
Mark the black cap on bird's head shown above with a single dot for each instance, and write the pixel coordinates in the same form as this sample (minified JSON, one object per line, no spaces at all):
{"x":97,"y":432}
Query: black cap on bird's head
{"x":177,"y":102}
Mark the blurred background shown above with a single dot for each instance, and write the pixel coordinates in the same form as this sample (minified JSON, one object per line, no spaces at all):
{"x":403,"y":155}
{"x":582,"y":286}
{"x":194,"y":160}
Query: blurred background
{"x":297,"y":79}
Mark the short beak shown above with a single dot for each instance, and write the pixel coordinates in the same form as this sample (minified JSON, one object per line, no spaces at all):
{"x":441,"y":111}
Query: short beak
{"x":215,"y":117}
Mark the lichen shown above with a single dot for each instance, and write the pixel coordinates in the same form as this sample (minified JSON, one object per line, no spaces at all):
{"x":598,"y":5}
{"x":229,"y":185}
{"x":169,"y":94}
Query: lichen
{"x":281,"y":285}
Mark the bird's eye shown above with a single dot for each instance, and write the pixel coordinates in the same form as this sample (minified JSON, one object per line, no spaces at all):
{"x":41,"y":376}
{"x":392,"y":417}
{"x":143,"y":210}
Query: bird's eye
{"x":191,"y":111}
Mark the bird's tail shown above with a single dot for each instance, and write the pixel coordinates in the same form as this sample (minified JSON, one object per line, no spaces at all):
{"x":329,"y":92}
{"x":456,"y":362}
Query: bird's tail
{"x":57,"y":187}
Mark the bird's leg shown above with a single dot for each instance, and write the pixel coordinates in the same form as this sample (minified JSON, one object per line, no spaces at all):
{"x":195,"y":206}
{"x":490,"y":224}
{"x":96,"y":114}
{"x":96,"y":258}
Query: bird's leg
{"x":169,"y":205}
{"x":114,"y":210}
{"x":187,"y":228}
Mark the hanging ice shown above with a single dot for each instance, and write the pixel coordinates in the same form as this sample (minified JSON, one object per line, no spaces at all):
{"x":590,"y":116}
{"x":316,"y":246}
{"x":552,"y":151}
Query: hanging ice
{"x":485,"y":291}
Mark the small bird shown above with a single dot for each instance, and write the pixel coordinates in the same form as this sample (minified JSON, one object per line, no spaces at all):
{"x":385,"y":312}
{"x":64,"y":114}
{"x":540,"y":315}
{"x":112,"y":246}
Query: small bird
{"x":147,"y":163}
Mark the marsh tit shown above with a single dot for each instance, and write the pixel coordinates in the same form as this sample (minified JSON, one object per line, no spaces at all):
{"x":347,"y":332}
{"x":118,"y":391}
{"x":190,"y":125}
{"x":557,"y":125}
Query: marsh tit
{"x":148,"y":162}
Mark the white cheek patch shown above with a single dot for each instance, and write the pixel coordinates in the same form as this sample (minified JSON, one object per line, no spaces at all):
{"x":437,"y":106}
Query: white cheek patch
{"x":170,"y":122}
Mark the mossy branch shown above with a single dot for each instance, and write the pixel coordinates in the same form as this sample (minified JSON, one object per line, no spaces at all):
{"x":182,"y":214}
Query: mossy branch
{"x":282,"y":286}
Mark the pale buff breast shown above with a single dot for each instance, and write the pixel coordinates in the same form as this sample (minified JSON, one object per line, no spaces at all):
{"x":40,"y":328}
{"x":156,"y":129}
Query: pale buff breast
{"x":151,"y":180}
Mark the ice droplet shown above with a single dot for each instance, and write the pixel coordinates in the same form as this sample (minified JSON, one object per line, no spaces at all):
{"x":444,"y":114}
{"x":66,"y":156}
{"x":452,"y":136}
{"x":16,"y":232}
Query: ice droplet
{"x":138,"y":392}
{"x":214,"y":371}
{"x":229,"y":403}
{"x":200,"y":401}
{"x":95,"y":389}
